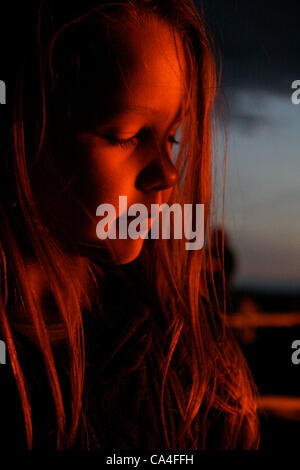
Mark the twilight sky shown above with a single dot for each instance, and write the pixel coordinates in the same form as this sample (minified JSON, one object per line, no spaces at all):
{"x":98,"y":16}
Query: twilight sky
{"x":260,"y":46}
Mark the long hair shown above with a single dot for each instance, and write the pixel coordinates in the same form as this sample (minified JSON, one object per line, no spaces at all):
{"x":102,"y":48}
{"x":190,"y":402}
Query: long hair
{"x":200,"y":373}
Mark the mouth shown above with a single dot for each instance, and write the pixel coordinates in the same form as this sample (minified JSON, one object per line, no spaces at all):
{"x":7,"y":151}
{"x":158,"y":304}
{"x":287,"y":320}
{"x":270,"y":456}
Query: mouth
{"x":130,"y":218}
{"x":141,"y":223}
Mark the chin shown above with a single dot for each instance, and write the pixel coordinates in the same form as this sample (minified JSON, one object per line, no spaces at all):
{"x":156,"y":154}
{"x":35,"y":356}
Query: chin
{"x":125,"y":251}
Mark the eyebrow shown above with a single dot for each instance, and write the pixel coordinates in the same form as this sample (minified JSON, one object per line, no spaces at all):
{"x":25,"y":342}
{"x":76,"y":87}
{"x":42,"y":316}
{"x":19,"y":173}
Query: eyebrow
{"x":141,"y":109}
{"x":138,"y":109}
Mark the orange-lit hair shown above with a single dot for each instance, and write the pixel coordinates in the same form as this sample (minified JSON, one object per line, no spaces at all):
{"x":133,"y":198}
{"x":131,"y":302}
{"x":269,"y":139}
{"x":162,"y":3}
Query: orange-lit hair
{"x":203,"y":371}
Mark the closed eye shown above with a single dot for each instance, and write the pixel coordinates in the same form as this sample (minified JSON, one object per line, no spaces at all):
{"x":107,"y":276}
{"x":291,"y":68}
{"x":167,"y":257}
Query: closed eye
{"x":134,"y":140}
{"x":123,"y":143}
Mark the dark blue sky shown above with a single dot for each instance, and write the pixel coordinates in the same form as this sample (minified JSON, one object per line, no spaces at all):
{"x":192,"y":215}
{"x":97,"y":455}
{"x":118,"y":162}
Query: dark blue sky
{"x":260,"y":46}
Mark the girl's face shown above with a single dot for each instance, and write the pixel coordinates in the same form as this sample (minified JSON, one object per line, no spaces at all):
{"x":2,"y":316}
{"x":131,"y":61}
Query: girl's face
{"x":129,"y":150}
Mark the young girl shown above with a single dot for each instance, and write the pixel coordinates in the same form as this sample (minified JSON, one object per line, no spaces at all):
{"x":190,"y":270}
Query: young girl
{"x":113,"y":343}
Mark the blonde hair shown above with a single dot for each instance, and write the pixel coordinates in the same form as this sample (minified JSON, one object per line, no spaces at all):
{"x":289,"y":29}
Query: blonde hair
{"x":203,"y":373}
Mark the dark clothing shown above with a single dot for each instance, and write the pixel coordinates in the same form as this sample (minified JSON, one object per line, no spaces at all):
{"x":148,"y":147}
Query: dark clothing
{"x":117,"y":367}
{"x":121,"y":368}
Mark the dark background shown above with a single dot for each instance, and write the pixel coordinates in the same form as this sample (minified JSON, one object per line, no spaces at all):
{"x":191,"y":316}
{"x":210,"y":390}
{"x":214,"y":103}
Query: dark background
{"x":259,"y":42}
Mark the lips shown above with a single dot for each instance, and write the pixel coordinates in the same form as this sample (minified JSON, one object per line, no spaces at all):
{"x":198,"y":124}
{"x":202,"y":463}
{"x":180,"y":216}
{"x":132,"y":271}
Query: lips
{"x":141,"y":216}
{"x":130,"y":218}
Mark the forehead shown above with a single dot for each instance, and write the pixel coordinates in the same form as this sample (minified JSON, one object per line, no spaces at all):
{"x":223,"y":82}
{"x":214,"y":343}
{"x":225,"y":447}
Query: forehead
{"x":150,"y":67}
{"x":151,"y":44}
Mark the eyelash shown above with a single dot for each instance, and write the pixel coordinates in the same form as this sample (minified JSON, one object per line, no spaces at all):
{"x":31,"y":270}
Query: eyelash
{"x":125,"y":143}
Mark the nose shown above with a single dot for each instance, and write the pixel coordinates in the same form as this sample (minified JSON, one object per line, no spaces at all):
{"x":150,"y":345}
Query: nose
{"x":158,"y":175}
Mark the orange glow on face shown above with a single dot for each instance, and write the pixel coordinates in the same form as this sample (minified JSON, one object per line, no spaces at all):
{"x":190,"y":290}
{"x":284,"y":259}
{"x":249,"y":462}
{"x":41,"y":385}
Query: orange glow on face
{"x":129,"y":151}
{"x":100,"y":124}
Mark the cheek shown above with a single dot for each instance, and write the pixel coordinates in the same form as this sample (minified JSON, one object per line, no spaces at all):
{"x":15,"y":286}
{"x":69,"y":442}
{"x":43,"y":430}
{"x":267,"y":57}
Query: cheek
{"x":103,"y":176}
